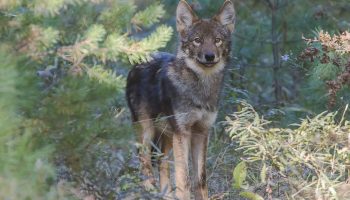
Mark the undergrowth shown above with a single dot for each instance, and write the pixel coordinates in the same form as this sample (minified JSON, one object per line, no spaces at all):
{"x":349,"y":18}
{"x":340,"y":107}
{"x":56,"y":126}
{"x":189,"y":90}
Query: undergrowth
{"x":309,"y":160}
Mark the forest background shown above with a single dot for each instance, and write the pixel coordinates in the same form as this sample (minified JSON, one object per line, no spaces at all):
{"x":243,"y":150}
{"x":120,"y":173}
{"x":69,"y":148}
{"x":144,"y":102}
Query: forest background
{"x":65,"y":131}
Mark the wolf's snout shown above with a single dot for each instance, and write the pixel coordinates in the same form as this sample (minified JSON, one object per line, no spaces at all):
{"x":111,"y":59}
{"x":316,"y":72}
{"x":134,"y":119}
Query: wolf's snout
{"x":209,"y":57}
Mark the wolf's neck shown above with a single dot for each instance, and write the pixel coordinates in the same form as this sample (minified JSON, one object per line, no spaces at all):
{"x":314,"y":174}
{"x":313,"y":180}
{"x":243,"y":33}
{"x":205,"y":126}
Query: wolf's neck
{"x":202,"y":87}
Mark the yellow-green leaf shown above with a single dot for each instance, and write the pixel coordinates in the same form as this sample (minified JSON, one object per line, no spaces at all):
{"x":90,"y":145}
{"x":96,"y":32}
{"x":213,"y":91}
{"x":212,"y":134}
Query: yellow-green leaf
{"x":251,"y":196}
{"x":239,"y":175}
{"x":263,"y":174}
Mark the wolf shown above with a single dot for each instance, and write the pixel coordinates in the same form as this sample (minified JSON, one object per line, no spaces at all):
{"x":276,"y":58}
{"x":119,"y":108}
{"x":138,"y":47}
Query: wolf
{"x":173,"y":99}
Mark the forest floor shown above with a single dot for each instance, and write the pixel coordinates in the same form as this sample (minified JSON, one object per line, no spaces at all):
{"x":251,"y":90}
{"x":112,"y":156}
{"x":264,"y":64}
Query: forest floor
{"x":115,"y":174}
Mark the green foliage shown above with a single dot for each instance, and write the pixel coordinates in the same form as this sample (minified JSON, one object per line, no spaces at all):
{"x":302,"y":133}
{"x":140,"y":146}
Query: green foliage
{"x":140,"y":51}
{"x":329,"y":56}
{"x":62,"y":94}
{"x":79,"y":111}
{"x":9,"y":4}
{"x":114,"y":46}
{"x":110,"y":22}
{"x":52,"y":7}
{"x":288,"y":85}
{"x":251,"y":196}
{"x":117,"y":17}
{"x":312,"y":159}
{"x":151,"y":15}
{"x":22,"y":175}
{"x":239,"y":175}
{"x":92,"y":37}
{"x":47,"y":39}
{"x":106,"y":77}
{"x":41,"y":7}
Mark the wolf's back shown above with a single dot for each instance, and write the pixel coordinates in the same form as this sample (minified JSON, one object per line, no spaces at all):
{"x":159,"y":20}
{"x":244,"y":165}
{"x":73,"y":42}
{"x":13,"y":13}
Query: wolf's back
{"x":146,"y":86}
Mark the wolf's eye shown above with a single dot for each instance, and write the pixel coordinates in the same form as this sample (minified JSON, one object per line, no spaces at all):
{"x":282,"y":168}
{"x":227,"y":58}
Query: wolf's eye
{"x":197,"y":41}
{"x":218,"y":41}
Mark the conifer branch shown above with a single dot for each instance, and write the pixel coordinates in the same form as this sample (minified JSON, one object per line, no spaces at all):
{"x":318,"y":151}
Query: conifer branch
{"x":140,"y":51}
{"x":148,"y":17}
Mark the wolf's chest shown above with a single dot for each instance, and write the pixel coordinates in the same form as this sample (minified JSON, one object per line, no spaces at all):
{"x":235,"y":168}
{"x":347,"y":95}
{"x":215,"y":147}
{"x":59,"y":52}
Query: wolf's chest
{"x":203,"y":95}
{"x":199,"y":117}
{"x":186,"y":120}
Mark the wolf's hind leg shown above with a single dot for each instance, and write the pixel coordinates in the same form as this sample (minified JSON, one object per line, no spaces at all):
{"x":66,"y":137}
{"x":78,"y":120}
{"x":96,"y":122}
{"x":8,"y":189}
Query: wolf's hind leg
{"x":147,"y":135}
{"x":164,"y":173}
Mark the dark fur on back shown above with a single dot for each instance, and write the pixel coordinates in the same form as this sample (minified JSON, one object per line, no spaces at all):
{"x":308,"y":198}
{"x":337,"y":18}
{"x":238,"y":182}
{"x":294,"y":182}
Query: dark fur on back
{"x":149,"y":89}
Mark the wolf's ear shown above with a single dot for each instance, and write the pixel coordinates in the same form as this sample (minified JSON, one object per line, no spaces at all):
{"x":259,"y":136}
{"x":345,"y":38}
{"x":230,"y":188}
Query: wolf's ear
{"x":227,"y":15}
{"x":185,"y":16}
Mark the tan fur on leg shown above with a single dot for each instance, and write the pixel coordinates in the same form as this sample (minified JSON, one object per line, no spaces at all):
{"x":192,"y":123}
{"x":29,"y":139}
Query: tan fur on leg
{"x":164,"y":173}
{"x":181,"y":147}
{"x":199,"y":150}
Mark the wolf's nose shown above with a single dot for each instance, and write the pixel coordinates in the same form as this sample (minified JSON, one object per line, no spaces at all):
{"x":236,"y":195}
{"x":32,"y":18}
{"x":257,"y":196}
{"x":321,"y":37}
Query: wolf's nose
{"x":209,"y":57}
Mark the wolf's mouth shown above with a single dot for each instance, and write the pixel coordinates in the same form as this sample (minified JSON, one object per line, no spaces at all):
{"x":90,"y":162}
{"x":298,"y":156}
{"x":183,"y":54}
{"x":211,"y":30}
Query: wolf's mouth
{"x":207,"y":64}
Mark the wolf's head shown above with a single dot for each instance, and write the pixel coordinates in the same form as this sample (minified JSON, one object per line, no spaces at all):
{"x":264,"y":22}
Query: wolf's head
{"x":205,"y":43}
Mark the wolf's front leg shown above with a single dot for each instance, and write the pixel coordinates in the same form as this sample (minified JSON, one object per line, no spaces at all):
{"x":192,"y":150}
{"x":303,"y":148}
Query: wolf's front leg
{"x":199,"y":144}
{"x":181,"y":146}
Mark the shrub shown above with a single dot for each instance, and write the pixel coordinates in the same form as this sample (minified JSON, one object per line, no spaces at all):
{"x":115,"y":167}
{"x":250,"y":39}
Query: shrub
{"x":309,"y":161}
{"x":330,"y":64}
